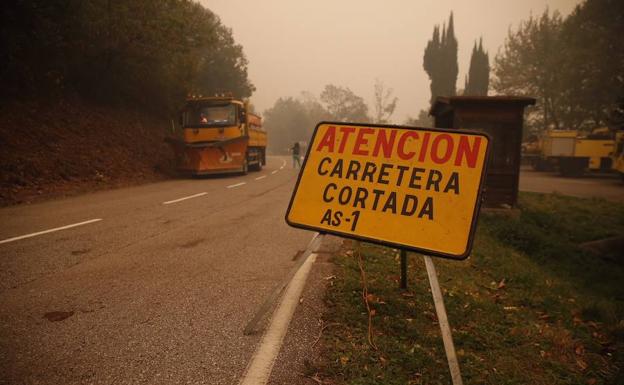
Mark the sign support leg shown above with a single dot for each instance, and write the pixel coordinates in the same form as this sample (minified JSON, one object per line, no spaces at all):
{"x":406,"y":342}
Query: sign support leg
{"x":447,"y":337}
{"x":403,"y":284}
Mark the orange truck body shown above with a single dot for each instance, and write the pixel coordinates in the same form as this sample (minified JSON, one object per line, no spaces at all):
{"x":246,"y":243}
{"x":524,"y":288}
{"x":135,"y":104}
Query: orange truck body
{"x":219,"y":135}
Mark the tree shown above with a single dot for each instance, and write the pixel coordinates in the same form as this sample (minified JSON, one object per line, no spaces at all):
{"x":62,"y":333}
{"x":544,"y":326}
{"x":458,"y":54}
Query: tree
{"x":223,"y":67}
{"x":575,"y":67}
{"x":616,"y":119}
{"x":440,"y":61}
{"x":292,"y":120}
{"x":478,"y":79}
{"x":285,"y":123}
{"x":531,"y":64}
{"x":144,"y":53}
{"x":423,"y":120}
{"x":594,"y":51}
{"x":385,"y":104}
{"x":343,"y":105}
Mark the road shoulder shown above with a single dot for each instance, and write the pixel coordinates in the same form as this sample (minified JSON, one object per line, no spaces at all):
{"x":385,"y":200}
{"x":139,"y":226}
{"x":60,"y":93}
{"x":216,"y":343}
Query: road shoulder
{"x":301,"y":347}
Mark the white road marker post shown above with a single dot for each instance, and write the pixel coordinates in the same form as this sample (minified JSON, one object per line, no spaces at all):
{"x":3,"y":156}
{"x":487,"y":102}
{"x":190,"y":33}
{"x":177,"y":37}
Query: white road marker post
{"x":445,"y":328}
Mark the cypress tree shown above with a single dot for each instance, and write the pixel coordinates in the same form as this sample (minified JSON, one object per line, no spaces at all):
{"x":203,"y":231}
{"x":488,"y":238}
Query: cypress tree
{"x":478,"y":79}
{"x":450,"y":59}
{"x":440,"y":61}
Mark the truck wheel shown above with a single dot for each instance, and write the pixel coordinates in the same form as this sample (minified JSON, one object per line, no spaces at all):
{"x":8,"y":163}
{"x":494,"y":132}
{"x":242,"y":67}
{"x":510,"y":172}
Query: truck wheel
{"x":572,"y":167}
{"x":542,"y":164}
{"x":538,"y":165}
{"x":256,"y":166}
{"x":245,"y":167}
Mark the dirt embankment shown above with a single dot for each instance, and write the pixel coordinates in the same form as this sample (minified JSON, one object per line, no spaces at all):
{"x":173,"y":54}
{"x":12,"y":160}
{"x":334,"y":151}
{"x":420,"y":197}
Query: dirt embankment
{"x":68,"y":147}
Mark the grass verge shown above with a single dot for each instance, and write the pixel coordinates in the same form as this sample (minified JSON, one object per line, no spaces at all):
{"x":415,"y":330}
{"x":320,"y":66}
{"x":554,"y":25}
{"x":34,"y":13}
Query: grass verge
{"x":528,"y":307}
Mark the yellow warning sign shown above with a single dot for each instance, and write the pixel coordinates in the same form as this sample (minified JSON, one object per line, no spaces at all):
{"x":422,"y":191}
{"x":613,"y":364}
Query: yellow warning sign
{"x":411,"y":188}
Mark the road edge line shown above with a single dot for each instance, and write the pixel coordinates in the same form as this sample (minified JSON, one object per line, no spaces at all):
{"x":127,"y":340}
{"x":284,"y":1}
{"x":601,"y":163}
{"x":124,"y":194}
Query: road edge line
{"x":273,"y":297}
{"x":261,"y":364}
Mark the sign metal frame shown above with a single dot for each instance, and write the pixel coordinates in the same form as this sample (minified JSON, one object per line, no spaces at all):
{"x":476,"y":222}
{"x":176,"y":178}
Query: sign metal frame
{"x":475,"y":214}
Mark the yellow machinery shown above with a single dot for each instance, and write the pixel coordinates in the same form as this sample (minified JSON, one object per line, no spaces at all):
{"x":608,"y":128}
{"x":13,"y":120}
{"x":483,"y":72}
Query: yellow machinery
{"x":618,"y":154}
{"x":219,"y":135}
{"x":573,"y":154}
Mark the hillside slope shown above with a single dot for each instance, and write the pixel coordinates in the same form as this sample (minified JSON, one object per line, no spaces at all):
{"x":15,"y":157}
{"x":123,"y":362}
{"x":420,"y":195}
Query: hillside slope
{"x":66,"y":147}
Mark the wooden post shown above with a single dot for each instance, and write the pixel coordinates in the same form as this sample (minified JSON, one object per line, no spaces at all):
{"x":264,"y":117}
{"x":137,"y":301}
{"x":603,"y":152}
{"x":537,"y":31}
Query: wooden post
{"x":447,"y":337}
{"x":403,"y":284}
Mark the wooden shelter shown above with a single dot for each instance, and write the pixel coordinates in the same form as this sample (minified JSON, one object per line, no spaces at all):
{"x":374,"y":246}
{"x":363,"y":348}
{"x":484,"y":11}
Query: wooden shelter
{"x":502,"y":118}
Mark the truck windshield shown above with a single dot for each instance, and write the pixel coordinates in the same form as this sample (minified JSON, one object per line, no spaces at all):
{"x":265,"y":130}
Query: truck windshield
{"x":213,"y":115}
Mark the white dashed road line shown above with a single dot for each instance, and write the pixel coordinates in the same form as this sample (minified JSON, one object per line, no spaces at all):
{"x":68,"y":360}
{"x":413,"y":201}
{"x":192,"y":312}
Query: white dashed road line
{"x":185,"y":198}
{"x":261,"y":177}
{"x":50,"y":231}
{"x":236,"y":185}
{"x":274,"y":172}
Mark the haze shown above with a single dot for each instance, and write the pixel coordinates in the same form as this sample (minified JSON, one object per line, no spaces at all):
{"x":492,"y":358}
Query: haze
{"x":295,"y":46}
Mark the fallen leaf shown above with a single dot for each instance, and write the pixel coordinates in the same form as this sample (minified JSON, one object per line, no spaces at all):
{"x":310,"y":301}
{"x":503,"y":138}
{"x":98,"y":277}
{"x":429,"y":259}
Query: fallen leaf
{"x":581,"y":364}
{"x":501,"y":284}
{"x":579,"y":350}
{"x":431,"y":316}
{"x":344,"y":360}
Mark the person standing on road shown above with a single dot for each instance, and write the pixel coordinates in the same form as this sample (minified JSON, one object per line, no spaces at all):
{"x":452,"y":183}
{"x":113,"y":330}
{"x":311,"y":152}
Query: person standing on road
{"x":295,"y":154}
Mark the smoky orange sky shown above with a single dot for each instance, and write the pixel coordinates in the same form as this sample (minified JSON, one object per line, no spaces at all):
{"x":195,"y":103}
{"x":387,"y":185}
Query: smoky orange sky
{"x":294,"y":46}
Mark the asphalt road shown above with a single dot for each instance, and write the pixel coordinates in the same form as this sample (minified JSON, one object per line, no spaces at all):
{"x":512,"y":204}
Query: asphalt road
{"x":607,"y":186}
{"x":153,"y":293}
{"x":159,"y":286}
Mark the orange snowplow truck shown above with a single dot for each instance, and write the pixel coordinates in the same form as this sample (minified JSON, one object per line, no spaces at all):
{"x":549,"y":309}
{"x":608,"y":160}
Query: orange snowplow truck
{"x":219,"y":135}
